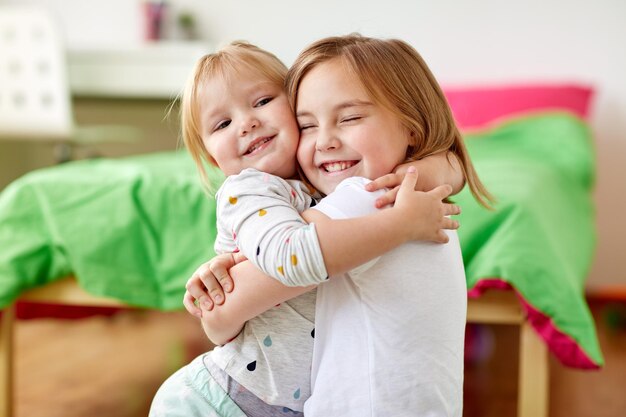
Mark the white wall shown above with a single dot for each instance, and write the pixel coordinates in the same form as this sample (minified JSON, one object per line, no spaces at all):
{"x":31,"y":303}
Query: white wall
{"x":464,"y":42}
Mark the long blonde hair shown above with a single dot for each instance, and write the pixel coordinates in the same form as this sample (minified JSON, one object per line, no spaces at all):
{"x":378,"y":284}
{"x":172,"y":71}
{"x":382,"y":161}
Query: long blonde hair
{"x":225,"y":63}
{"x":395,"y":76}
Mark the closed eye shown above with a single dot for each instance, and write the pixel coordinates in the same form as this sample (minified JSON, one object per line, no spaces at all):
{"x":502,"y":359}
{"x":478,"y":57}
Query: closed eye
{"x":351,"y":119}
{"x":305,"y":127}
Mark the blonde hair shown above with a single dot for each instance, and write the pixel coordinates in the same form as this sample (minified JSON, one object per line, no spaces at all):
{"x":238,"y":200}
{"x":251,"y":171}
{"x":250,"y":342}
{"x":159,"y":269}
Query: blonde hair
{"x":396,"y":77}
{"x":225,"y":63}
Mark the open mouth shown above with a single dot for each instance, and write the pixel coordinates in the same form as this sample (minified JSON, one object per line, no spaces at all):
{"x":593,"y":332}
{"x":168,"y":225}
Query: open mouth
{"x":337,"y":166}
{"x":258,"y":144}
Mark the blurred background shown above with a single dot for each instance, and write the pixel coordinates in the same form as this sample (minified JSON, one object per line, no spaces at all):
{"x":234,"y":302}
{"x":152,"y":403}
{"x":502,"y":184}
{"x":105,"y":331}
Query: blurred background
{"x":128,"y":59}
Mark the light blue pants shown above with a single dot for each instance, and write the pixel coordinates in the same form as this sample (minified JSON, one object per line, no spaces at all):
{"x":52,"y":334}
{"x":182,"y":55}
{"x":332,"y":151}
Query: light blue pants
{"x":193,"y":392}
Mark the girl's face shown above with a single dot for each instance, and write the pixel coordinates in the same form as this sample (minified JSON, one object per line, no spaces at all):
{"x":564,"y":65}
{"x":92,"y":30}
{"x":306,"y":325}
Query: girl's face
{"x":343,"y":132}
{"x":248,"y":123}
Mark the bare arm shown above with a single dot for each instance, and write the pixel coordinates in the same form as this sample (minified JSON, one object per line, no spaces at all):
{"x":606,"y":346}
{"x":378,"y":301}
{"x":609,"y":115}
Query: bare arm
{"x":415,"y":216}
{"x":253,"y":294}
{"x":436,"y":170}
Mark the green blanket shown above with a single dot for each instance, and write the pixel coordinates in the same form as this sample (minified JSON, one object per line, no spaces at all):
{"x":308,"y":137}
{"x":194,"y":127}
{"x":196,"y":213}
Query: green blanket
{"x":136,"y":228}
{"x":541,"y":237}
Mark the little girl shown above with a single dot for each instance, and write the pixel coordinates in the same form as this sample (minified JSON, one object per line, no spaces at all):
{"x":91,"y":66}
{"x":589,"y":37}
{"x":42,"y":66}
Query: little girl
{"x":236,"y":114}
{"x":389,"y":337}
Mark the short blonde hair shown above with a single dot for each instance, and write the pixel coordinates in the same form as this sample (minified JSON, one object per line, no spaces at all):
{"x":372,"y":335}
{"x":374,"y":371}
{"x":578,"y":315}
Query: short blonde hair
{"x":396,"y":77}
{"x":225,"y":63}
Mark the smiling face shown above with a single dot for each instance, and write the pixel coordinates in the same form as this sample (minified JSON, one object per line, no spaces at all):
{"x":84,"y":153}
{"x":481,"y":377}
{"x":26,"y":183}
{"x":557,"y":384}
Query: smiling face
{"x":246,"y":122}
{"x":344,"y":133}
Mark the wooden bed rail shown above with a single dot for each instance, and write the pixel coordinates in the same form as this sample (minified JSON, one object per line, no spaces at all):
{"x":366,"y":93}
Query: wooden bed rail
{"x":494,"y":307}
{"x":65,"y":292}
{"x":503,"y":307}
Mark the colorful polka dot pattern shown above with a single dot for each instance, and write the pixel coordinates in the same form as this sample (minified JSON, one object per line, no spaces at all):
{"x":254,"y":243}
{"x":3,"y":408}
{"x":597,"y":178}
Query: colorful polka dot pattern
{"x":262,"y":212}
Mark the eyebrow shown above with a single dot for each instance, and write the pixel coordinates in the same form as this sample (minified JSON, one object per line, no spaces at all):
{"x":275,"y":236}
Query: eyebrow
{"x":254,"y":89}
{"x":341,"y":106}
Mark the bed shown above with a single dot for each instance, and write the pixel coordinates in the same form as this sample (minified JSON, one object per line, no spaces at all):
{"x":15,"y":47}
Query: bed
{"x":130,"y":231}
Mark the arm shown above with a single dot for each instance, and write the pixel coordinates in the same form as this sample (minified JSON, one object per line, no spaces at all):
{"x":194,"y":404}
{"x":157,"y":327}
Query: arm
{"x":254,"y":294}
{"x":415,"y":216}
{"x":337,"y":237}
{"x":436,"y":170}
{"x":271,"y":233}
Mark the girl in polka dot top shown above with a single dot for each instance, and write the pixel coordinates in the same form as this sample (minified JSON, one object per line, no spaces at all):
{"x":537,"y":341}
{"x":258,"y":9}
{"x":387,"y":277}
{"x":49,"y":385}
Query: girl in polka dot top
{"x":236,"y":115}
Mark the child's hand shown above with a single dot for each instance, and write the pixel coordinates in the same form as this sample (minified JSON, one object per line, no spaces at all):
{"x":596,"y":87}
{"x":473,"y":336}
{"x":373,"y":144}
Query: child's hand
{"x":435,"y":170}
{"x":206,"y":286}
{"x":426,"y":209}
{"x":391,"y":181}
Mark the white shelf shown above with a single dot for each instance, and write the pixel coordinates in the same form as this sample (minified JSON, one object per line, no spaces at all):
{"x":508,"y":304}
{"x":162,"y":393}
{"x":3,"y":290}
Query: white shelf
{"x":156,"y":70}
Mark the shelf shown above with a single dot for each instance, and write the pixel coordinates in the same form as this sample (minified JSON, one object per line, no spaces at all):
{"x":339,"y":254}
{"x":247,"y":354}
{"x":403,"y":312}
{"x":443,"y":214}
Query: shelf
{"x":157,"y":70}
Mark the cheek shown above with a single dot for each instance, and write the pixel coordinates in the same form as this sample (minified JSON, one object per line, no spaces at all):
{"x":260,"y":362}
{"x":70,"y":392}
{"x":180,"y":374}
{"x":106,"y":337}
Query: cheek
{"x":384,"y":159}
{"x":304,"y":153}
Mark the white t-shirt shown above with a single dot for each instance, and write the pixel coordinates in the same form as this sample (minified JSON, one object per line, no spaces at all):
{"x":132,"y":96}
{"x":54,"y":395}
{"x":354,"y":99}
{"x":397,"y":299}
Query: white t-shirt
{"x":389,"y":335}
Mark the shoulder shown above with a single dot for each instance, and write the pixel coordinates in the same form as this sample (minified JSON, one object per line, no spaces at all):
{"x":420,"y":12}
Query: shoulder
{"x":350,"y":199}
{"x":252,"y":176}
{"x":251,"y":181}
{"x":357,"y":183}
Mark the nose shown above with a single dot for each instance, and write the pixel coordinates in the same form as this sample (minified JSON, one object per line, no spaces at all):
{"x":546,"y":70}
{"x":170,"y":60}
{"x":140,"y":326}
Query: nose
{"x":326,"y":140}
{"x":248,"y":125}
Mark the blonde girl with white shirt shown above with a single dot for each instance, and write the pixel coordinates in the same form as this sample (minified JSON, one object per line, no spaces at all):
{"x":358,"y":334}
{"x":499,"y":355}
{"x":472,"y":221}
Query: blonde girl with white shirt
{"x":236,"y":115}
{"x":389,"y":335}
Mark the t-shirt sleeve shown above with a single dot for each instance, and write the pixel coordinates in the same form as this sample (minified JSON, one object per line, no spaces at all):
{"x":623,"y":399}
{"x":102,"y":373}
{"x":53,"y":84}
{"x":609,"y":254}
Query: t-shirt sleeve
{"x":260,"y":214}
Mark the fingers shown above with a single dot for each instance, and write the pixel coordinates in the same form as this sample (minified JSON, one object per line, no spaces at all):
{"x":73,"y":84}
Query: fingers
{"x":388,"y":198}
{"x":220,"y":265}
{"x":239,"y":257}
{"x":198,"y":292}
{"x":442,"y":191}
{"x":451,"y":209}
{"x":209,"y":277}
{"x":386,"y":181}
{"x":449,"y":224}
{"x":409,"y":180}
{"x":442,"y":237}
{"x":190,"y":305}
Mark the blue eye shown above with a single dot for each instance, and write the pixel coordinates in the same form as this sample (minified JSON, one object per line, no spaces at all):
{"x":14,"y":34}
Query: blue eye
{"x":222,"y":125}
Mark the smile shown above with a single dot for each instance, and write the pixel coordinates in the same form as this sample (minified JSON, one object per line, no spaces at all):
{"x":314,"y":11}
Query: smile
{"x":258,"y":143}
{"x":337,"y":166}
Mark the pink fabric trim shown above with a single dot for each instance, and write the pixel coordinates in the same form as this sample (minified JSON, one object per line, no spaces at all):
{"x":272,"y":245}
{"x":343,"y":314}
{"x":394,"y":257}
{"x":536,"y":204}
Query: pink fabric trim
{"x":477,"y":107}
{"x":562,"y":345}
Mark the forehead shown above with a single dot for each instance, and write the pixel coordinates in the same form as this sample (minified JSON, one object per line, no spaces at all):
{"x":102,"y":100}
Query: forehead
{"x":329,"y":83}
{"x":234,"y":81}
{"x":221,"y":91}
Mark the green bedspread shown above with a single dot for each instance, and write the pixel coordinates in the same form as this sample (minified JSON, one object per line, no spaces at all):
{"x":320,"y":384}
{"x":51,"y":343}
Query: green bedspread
{"x":541,"y":237}
{"x":133,"y":228}
{"x":136,"y":228}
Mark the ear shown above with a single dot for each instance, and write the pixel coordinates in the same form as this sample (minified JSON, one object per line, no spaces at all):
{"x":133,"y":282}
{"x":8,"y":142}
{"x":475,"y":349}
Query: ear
{"x":411,"y":138}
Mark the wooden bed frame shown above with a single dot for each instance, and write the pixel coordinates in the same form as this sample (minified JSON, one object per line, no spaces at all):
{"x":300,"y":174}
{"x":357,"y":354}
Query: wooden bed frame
{"x":494,"y":307}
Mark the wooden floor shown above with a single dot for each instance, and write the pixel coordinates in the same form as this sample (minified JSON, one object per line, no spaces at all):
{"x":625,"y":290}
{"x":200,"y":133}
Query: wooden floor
{"x":111,"y":367}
